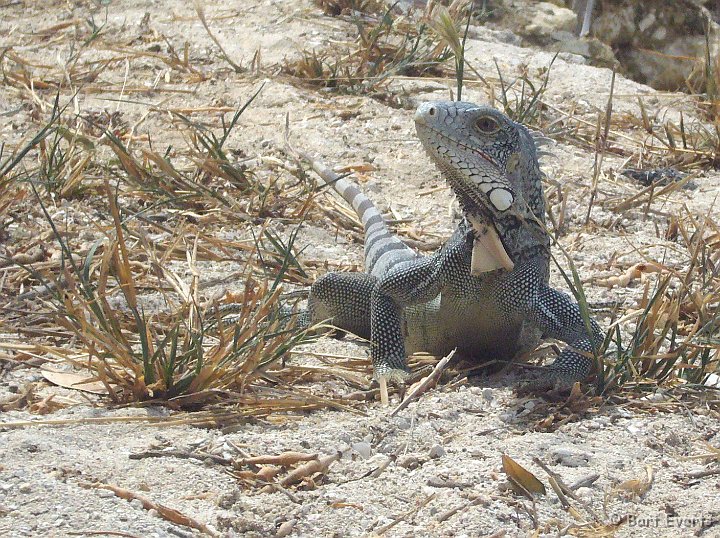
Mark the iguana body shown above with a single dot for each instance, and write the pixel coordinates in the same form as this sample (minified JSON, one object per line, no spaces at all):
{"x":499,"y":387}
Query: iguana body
{"x":485,"y":292}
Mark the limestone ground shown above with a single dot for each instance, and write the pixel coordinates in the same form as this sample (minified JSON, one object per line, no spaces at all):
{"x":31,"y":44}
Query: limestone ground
{"x":397,"y":476}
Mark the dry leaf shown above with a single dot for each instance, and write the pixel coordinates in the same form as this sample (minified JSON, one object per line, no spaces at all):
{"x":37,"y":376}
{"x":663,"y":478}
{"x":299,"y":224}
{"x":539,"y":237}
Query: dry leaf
{"x":523,"y":481}
{"x":633,"y":273}
{"x":75,"y":381}
{"x":637,"y":487}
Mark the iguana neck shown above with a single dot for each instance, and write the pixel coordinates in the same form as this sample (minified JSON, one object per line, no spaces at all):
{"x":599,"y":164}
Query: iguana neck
{"x":522,"y":232}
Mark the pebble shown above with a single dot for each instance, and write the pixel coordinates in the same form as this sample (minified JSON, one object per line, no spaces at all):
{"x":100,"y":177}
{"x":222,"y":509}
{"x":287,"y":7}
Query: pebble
{"x":593,"y":425}
{"x":409,"y":461}
{"x":623,"y":413}
{"x":402,"y":423}
{"x":656,"y":397}
{"x":30,"y":447}
{"x":635,"y":429}
{"x":286,"y":528}
{"x":437,"y":451}
{"x":569,"y":457}
{"x":585,"y":493}
{"x":363,"y":449}
{"x":25,"y":488}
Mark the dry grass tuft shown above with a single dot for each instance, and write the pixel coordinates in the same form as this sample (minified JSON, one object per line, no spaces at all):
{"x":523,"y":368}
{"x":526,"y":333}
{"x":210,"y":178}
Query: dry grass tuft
{"x":387,"y":45}
{"x":102,"y":294}
{"x":117,"y":302}
{"x":677,"y":321}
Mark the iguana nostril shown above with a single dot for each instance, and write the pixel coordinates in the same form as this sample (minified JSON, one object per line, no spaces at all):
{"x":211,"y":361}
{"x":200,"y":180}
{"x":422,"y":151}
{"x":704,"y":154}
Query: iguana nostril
{"x":431,"y":111}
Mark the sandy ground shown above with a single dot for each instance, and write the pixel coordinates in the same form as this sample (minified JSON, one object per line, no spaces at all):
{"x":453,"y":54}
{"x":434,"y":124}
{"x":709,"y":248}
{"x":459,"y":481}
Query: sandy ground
{"x":400,"y":475}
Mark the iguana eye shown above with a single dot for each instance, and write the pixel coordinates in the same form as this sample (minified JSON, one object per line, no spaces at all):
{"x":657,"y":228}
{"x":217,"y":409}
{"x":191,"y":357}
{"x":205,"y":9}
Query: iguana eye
{"x":487,"y":125}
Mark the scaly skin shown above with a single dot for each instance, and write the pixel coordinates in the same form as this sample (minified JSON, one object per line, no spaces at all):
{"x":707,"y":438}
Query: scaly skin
{"x":497,"y":308}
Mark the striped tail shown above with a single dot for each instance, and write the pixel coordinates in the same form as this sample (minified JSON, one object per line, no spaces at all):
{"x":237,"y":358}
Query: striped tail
{"x":382,"y":248}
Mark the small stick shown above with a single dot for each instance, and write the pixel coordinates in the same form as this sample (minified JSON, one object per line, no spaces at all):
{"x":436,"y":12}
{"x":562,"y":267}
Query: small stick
{"x":384,"y":399}
{"x":382,"y":530}
{"x":169,"y":514}
{"x":425,"y":384}
{"x":449,"y":513}
{"x":182,"y":454}
{"x":277,"y":487}
{"x":102,"y":533}
{"x":564,"y":489}
{"x":701,"y":474}
{"x":601,"y":143}
{"x":585,"y":482}
{"x":201,"y":15}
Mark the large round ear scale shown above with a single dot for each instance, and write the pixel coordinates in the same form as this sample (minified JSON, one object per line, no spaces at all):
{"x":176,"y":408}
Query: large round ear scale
{"x":501,"y":198}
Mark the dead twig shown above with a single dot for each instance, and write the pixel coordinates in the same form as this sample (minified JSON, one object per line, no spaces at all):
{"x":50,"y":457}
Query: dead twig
{"x":170,"y":514}
{"x":601,"y":147}
{"x":428,"y":382}
{"x":181,"y":454}
{"x":102,"y":533}
{"x":700,"y":474}
{"x":449,"y":513}
{"x":201,"y":15}
{"x":403,"y":517}
{"x":561,"y":489}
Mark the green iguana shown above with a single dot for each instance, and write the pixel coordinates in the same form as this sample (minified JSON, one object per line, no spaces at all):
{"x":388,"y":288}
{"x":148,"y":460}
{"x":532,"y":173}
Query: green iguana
{"x":485,"y":291}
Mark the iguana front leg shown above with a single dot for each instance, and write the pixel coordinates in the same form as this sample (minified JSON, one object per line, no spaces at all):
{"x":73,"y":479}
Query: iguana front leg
{"x":409,"y":283}
{"x":559,"y":317}
{"x":372,"y":308}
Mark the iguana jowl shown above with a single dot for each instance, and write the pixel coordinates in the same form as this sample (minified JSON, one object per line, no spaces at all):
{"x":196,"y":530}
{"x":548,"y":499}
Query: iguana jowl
{"x":485,"y":292}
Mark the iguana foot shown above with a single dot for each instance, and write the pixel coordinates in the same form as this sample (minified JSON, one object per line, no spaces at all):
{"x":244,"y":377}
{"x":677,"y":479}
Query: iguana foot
{"x":391,"y":375}
{"x":385,"y":374}
{"x":544,"y":380}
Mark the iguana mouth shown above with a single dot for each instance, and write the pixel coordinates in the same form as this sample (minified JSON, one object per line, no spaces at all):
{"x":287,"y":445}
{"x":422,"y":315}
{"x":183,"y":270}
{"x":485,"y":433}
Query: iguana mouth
{"x":459,"y":143}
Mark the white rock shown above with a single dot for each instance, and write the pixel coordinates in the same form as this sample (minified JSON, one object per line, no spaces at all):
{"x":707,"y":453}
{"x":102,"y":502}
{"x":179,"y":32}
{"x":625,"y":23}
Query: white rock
{"x":547,"y":18}
{"x":363,"y":449}
{"x":570,"y":456}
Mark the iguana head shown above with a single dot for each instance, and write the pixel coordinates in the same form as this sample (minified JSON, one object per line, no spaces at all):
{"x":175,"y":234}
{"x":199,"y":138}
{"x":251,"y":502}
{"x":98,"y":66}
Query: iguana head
{"x":491,"y":164}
